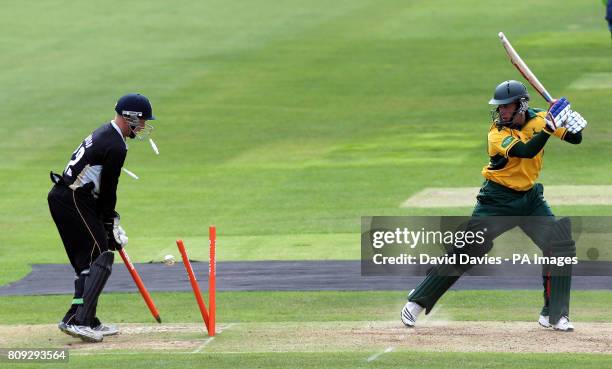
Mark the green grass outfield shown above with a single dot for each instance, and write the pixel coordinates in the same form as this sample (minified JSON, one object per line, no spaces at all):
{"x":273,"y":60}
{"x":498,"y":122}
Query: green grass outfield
{"x":283,"y":123}
{"x":286,"y":121}
{"x":322,"y":306}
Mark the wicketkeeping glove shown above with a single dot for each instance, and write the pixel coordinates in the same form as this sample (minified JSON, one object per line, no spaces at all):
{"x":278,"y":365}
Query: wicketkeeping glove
{"x":557,"y":114}
{"x":117,"y":238}
{"x":575,"y":122}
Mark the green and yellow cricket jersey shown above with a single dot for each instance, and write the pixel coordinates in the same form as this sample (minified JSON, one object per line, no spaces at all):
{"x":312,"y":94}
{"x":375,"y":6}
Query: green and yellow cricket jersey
{"x":516,"y":173}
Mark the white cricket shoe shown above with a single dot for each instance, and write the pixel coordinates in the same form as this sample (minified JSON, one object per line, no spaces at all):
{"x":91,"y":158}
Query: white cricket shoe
{"x":410,"y":312}
{"x":106,"y":330}
{"x":83,"y":332}
{"x":563,"y":324}
{"x":63,"y":327}
{"x":543,"y":321}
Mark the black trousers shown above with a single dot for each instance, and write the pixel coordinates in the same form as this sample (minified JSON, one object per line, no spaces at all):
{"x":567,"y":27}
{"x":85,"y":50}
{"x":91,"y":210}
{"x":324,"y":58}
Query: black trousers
{"x":77,"y":221}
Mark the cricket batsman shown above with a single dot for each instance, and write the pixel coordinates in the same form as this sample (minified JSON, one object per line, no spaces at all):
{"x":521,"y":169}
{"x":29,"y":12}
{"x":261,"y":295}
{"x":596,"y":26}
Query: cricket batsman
{"x":609,"y":15}
{"x":82,"y":203}
{"x":510,"y":197}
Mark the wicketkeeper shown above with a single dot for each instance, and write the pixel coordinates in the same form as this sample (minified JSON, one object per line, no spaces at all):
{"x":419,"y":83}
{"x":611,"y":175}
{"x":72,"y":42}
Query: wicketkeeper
{"x":510,"y":197}
{"x":82,"y":204}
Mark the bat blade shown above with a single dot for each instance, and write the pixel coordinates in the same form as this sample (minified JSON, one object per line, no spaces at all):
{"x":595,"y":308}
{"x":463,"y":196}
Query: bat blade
{"x":520,"y":65}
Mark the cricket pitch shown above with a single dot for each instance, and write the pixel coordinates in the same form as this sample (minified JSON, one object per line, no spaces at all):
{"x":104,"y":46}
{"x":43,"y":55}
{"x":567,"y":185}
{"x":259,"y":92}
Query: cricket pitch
{"x":433,"y":336}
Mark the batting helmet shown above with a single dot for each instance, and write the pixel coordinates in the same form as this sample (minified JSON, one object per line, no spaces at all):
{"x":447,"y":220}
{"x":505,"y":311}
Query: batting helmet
{"x":509,"y":91}
{"x":135,"y":103}
{"x":505,"y":93}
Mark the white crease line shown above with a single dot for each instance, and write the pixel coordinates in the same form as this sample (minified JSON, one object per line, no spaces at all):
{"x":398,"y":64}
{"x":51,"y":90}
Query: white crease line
{"x":201,"y":347}
{"x":196,"y":351}
{"x":221,"y":329}
{"x":210,"y":339}
{"x":376,"y":356}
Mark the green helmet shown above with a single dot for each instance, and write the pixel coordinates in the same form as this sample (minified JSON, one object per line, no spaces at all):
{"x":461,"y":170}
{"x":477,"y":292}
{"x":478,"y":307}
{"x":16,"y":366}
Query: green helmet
{"x":509,"y":91}
{"x":505,"y":93}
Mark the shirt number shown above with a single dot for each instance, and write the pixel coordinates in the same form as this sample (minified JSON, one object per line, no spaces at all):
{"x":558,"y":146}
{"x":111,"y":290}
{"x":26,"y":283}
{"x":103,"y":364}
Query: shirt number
{"x":78,"y":154}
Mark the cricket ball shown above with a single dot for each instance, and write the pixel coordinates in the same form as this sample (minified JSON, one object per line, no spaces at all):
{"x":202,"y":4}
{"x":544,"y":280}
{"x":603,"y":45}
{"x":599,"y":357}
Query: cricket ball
{"x":169,"y":259}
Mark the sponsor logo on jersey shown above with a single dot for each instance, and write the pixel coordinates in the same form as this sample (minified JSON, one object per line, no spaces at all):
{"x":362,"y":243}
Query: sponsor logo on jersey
{"x":507,"y":141}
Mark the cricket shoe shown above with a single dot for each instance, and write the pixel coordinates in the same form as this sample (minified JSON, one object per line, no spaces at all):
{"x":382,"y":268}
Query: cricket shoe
{"x":83,"y":332}
{"x":63,"y":327}
{"x":410,"y":312}
{"x":106,"y":330}
{"x":543,"y":321}
{"x":563,"y":324}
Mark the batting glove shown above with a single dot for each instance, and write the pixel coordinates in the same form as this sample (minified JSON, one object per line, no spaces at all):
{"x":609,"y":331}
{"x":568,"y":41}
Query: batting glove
{"x":117,"y":238}
{"x":575,"y":122}
{"x":557,"y":114}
